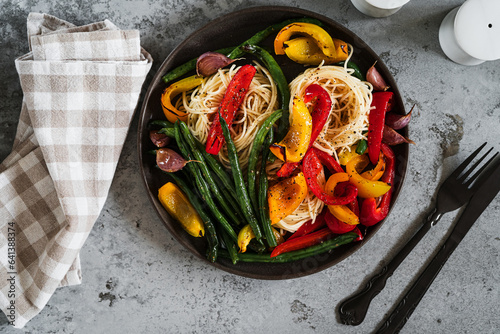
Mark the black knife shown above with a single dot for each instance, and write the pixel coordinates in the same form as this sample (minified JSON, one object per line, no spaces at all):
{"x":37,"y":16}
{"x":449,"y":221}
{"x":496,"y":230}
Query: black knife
{"x":478,"y":203}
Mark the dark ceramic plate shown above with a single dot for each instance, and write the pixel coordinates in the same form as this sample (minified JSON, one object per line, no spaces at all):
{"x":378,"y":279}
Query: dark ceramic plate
{"x":230,"y":30}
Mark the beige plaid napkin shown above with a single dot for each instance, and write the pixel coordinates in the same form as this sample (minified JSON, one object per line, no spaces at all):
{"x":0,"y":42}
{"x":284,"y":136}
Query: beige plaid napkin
{"x":81,"y":86}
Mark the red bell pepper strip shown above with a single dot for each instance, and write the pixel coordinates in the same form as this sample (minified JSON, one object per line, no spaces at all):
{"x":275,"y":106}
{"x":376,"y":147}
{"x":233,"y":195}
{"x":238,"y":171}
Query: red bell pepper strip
{"x":287,"y":169}
{"x":341,"y":189}
{"x":235,"y":93}
{"x":329,"y":161}
{"x":381,"y":103}
{"x":311,"y":166}
{"x":320,"y":113}
{"x":303,"y":241}
{"x":390,"y":169}
{"x":361,"y":236}
{"x":309,"y":227}
{"x":370,"y":214}
{"x":337,"y":226}
{"x":321,"y":110}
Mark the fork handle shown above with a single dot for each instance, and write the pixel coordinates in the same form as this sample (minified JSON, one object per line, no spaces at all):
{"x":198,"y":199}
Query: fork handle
{"x":409,"y":302}
{"x":353,"y":310}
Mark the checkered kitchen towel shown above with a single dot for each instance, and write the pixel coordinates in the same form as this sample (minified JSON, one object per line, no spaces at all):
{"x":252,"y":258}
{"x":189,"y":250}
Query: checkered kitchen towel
{"x":81,"y":86}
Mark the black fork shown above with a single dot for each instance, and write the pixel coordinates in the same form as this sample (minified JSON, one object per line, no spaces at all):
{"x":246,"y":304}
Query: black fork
{"x":454,"y":193}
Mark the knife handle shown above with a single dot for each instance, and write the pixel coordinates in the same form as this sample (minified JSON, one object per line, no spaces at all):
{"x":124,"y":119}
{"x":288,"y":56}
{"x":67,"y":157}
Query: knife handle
{"x":353,"y":310}
{"x":398,"y":318}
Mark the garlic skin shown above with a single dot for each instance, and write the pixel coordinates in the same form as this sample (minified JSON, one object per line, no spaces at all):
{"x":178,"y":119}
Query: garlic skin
{"x":210,"y":62}
{"x":397,"y":121}
{"x":159,"y":139}
{"x":375,"y":78}
{"x":169,"y":161}
{"x":392,"y":137}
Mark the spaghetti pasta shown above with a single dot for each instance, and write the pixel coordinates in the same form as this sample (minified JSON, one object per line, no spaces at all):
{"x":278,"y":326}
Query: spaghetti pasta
{"x":260,"y":101}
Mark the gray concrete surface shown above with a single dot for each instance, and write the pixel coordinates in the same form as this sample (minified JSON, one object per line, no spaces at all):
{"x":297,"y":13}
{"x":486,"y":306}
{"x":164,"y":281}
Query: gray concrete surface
{"x":138,"y":279}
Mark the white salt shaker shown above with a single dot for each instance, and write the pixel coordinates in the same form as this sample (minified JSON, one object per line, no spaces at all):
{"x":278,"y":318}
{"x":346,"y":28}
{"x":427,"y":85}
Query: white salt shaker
{"x":470,"y":33}
{"x":378,"y":8}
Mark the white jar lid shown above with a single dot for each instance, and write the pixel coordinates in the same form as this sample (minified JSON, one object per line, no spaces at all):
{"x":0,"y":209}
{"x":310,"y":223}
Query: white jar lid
{"x":378,"y":8}
{"x":387,"y":4}
{"x":477,"y":28}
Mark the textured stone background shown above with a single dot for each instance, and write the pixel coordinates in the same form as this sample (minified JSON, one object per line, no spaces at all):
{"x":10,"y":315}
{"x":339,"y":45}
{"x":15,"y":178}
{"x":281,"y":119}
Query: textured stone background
{"x":138,"y":279}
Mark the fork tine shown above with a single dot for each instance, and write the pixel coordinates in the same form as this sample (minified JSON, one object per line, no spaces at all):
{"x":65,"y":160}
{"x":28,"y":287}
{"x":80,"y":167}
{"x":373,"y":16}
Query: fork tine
{"x":477,"y":163}
{"x":476,"y":175}
{"x":467,"y":161}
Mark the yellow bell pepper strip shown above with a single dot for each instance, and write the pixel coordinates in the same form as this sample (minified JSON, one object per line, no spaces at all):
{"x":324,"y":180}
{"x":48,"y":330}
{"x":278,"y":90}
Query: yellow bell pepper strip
{"x":344,"y":214}
{"x":304,"y":50}
{"x":347,"y":155}
{"x":285,"y":196}
{"x":366,"y":188}
{"x":321,"y":110}
{"x":184,"y":85}
{"x":341,"y":212}
{"x":376,"y":173}
{"x":381,"y":103}
{"x":244,"y":236}
{"x":335,"y":224}
{"x":335,"y":179}
{"x":296,"y":142}
{"x":179,"y":207}
{"x":312,"y":166}
{"x":370,"y":213}
{"x":323,"y":40}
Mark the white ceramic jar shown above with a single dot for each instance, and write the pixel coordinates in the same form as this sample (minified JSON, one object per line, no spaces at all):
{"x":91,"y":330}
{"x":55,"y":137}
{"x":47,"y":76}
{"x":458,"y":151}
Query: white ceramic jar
{"x":470,"y":34}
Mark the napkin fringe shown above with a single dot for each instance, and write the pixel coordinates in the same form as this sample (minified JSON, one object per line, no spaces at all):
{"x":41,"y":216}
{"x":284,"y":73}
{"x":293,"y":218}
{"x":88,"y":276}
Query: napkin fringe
{"x":41,"y":24}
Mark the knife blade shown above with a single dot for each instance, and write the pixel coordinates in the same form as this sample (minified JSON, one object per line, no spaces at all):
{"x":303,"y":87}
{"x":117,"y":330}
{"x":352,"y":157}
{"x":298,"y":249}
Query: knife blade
{"x":478,"y":203}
